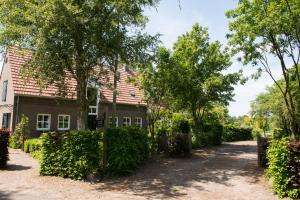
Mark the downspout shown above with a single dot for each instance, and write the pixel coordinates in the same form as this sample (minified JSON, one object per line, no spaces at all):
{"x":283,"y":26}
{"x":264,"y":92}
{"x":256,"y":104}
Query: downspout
{"x":17,"y":112}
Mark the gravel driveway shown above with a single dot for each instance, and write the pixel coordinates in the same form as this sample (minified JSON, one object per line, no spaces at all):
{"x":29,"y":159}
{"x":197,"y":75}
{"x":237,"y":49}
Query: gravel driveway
{"x":226,"y":172}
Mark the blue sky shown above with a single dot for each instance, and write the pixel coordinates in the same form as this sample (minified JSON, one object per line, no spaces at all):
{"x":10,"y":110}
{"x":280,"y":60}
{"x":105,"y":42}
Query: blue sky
{"x":171,"y":21}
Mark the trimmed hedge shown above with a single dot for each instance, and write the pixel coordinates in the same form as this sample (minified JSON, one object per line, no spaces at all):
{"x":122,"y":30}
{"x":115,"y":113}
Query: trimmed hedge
{"x":207,"y":135}
{"x":233,"y":133}
{"x":284,"y":167}
{"x":127,"y":149}
{"x":75,"y":155}
{"x":32,"y":145}
{"x":4,"y":138}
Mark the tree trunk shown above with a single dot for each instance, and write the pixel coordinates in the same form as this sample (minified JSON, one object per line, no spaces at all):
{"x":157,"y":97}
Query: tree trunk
{"x":115,"y":87}
{"x":82,"y":103}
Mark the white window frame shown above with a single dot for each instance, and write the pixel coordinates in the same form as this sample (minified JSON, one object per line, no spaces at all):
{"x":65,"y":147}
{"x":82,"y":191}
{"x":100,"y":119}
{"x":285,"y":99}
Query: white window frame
{"x":69,"y":122}
{"x":141,"y":121}
{"x":117,"y":121}
{"x":126,"y":121}
{"x":37,"y":122}
{"x":94,"y":84}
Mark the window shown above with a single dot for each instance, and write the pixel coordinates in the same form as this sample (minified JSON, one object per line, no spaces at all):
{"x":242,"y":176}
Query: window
{"x":92,"y":96}
{"x":43,"y":122}
{"x":4,"y":91}
{"x":139,"y":122}
{"x":63,"y":122}
{"x":110,"y":121}
{"x":126,"y":121}
{"x":5,"y":120}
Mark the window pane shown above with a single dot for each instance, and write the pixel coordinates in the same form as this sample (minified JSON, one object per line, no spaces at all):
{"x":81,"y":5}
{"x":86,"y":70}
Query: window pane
{"x":92,"y":96}
{"x":40,"y":125}
{"x":46,"y":118}
{"x":40,"y":118}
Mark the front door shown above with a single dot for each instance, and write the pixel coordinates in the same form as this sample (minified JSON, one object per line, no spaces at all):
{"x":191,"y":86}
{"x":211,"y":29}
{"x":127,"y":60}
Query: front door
{"x":92,"y":122}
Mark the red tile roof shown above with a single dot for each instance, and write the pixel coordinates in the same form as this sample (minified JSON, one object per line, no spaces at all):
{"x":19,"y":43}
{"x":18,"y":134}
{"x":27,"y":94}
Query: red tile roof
{"x":128,"y":93}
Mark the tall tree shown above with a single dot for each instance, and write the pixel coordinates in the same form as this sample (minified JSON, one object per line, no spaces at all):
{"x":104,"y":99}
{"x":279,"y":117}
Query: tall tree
{"x":194,"y":72}
{"x":67,"y":37}
{"x":261,"y":29}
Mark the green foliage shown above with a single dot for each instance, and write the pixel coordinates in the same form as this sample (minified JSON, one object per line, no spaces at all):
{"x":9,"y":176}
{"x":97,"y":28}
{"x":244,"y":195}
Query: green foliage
{"x":280,"y":158}
{"x":74,"y":155}
{"x":75,"y":37}
{"x":207,"y":135}
{"x":128,"y":148}
{"x":192,"y":73}
{"x":21,"y":130}
{"x":261,"y":30}
{"x":15,"y":141}
{"x":278,"y":133}
{"x":234,"y":133}
{"x":32,"y":145}
{"x":180,"y":123}
{"x":4,"y":138}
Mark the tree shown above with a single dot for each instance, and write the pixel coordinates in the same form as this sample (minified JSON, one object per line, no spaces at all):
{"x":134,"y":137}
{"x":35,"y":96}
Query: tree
{"x":194,"y":73}
{"x":68,"y":38}
{"x":262,"y":29}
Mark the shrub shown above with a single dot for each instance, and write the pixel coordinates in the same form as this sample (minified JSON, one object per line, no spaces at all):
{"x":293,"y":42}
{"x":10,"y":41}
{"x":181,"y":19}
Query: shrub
{"x":279,"y":133}
{"x":233,"y":133}
{"x":15,"y":141}
{"x":4,"y":138}
{"x":180,"y":144}
{"x":180,"y":124}
{"x":282,"y":164}
{"x":74,"y":155}
{"x":21,"y":132}
{"x":128,"y":148}
{"x":32,"y":145}
{"x":207,"y":135}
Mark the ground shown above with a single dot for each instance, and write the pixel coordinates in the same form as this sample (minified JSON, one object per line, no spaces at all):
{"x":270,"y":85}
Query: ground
{"x":226,"y":172}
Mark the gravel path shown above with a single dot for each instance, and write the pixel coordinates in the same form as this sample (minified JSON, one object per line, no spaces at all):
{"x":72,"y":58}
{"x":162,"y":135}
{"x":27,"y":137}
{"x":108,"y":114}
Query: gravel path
{"x":227,"y":172}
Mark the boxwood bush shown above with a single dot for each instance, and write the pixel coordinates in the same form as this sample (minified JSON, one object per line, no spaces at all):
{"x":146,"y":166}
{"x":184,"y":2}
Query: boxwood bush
{"x":75,"y":154}
{"x":284,"y":168}
{"x":4,"y":138}
{"x":127,"y":149}
{"x":234,"y":133}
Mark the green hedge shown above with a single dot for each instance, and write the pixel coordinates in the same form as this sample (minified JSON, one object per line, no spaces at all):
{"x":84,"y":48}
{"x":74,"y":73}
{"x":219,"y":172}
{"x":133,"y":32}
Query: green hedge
{"x":233,"y":133}
{"x":284,"y":168}
{"x":4,"y":138}
{"x":207,"y":135}
{"x":127,"y":149}
{"x":74,"y":155}
{"x":32,"y":145}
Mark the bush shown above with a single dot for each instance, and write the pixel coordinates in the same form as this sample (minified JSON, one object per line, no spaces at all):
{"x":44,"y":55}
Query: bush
{"x":283,"y":168}
{"x":127,"y":149}
{"x":233,"y":133}
{"x":207,"y":135}
{"x":279,"y":133}
{"x":16,"y":140}
{"x":4,"y":138}
{"x":180,"y":124}
{"x":180,"y":145}
{"x":74,"y":155}
{"x":33,"y":146}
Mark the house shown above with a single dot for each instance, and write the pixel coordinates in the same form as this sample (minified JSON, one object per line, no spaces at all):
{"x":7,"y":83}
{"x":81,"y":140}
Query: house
{"x":47,"y":110}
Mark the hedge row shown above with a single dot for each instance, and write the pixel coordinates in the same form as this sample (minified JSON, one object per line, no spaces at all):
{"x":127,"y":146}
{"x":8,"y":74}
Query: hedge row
{"x":32,"y":145}
{"x":207,"y":135}
{"x":284,"y":167}
{"x":80,"y":153}
{"x":4,"y":138}
{"x":233,"y":133}
{"x":74,"y":155}
{"x":127,"y":149}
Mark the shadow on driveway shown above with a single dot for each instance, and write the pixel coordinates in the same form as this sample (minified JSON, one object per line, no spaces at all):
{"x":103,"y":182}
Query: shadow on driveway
{"x":167,"y":177}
